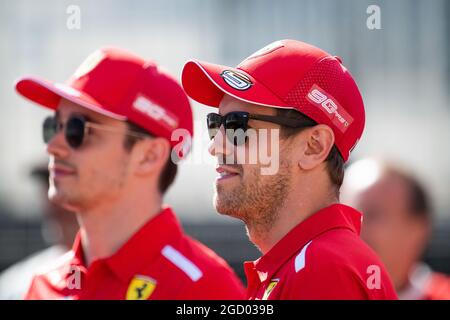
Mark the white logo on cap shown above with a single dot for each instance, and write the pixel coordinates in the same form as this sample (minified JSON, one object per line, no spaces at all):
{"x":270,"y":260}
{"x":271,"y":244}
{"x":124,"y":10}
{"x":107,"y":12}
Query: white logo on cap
{"x":236,"y":80}
{"x":155,"y":111}
{"x":335,"y":112}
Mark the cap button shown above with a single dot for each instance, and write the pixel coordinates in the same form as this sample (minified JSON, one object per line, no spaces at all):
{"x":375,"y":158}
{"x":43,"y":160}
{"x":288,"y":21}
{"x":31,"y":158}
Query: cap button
{"x":338,"y":59}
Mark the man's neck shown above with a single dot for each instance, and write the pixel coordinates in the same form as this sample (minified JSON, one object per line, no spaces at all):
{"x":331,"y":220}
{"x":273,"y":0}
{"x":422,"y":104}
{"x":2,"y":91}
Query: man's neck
{"x":107,"y":227}
{"x":290,"y":215}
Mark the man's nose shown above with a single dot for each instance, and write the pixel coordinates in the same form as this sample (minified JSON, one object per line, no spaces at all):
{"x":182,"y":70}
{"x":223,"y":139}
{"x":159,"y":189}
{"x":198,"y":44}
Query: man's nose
{"x":58,"y":146}
{"x":219,"y":145}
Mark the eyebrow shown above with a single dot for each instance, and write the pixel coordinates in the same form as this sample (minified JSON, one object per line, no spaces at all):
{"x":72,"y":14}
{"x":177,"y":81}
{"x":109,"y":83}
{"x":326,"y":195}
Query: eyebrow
{"x":86,"y":117}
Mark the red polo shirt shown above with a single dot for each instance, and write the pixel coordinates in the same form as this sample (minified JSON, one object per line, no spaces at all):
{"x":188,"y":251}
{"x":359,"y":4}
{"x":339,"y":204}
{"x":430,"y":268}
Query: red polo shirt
{"x":157,"y":262}
{"x":321,"y":258}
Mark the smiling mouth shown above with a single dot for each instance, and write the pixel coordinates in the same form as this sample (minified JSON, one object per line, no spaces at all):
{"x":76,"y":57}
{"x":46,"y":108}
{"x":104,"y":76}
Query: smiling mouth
{"x":225,"y":174}
{"x":60,"y":172}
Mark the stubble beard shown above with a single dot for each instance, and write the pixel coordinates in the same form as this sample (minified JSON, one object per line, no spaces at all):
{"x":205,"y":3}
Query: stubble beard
{"x":256,"y":201}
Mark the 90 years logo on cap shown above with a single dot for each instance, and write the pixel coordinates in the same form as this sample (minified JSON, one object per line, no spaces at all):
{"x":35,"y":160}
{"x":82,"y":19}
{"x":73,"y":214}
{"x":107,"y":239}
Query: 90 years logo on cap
{"x":236,"y":80}
{"x":331,"y":107}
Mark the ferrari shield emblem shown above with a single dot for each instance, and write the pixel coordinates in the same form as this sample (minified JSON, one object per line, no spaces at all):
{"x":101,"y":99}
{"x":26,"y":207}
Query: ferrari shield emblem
{"x":141,"y":288}
{"x":270,"y":288}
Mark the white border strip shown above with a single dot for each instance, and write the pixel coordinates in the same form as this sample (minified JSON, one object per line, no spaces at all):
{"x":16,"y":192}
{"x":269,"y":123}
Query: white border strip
{"x":179,"y":260}
{"x":300,"y":258}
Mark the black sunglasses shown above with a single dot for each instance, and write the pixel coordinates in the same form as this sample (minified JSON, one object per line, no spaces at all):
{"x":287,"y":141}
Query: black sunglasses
{"x":236,"y":124}
{"x":76,"y":129}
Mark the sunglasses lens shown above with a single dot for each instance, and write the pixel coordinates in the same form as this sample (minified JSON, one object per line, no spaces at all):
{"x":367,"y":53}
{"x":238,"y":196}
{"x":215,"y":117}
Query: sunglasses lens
{"x":214,"y":121}
{"x":74,"y":132}
{"x":236,"y":127}
{"x":49,"y":129}
{"x":238,"y":137}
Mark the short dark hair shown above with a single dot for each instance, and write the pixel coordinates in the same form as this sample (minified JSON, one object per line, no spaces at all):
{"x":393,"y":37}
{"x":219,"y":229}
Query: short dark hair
{"x":419,"y":202}
{"x":169,"y":172}
{"x":335,"y":162}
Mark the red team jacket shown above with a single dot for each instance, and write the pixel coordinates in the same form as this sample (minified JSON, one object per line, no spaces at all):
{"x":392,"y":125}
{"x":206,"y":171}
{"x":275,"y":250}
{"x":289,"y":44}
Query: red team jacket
{"x":158,"y":262}
{"x":321,"y":258}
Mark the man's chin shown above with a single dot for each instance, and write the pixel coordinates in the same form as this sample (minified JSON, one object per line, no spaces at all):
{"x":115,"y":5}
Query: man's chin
{"x":225,"y":208}
{"x":60,"y":199}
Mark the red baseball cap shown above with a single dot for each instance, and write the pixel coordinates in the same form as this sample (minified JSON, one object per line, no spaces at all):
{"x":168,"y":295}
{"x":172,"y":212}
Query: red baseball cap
{"x":123,"y":86}
{"x":287,"y":74}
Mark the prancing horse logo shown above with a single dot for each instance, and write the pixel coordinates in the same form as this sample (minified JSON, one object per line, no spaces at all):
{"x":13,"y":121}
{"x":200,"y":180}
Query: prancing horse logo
{"x":141,"y":288}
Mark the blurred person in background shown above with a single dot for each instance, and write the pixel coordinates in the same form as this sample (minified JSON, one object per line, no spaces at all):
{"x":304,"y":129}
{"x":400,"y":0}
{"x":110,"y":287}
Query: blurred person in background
{"x":112,"y":159}
{"x":397,"y":224}
{"x":306,"y":103}
{"x":59,"y":229}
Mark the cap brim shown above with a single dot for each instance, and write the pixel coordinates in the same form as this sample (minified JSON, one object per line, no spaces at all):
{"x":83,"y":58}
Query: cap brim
{"x":49,"y":94}
{"x":205,"y":83}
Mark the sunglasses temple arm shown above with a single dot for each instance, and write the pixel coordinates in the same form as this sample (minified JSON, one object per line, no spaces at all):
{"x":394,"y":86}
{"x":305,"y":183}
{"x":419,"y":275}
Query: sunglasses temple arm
{"x":293,"y":123}
{"x":114,"y":129}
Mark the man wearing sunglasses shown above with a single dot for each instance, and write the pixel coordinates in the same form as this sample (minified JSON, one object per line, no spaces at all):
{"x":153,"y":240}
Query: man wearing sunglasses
{"x":112,"y":158}
{"x":306,"y":97}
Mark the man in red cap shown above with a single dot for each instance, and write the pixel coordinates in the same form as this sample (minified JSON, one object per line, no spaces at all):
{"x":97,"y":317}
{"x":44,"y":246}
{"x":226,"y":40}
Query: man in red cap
{"x":112,"y":158}
{"x":310,"y":243}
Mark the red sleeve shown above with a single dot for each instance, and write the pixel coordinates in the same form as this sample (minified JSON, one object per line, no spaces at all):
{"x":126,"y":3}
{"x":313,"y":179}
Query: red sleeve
{"x":217,"y":285}
{"x":326,"y":283}
{"x":330,"y":273}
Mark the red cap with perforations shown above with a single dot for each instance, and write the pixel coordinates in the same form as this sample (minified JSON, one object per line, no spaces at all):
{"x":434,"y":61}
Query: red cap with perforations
{"x":287,"y":74}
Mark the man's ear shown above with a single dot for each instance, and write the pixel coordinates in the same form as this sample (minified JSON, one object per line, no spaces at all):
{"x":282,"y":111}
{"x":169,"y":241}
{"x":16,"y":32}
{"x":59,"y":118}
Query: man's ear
{"x":317,"y":143}
{"x":150,"y":155}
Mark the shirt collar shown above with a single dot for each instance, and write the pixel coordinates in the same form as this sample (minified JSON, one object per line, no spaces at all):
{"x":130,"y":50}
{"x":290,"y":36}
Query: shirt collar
{"x":332,"y":217}
{"x":144,"y":246}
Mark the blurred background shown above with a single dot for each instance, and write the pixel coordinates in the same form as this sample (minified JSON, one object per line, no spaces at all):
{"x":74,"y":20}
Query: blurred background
{"x":400,"y":62}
